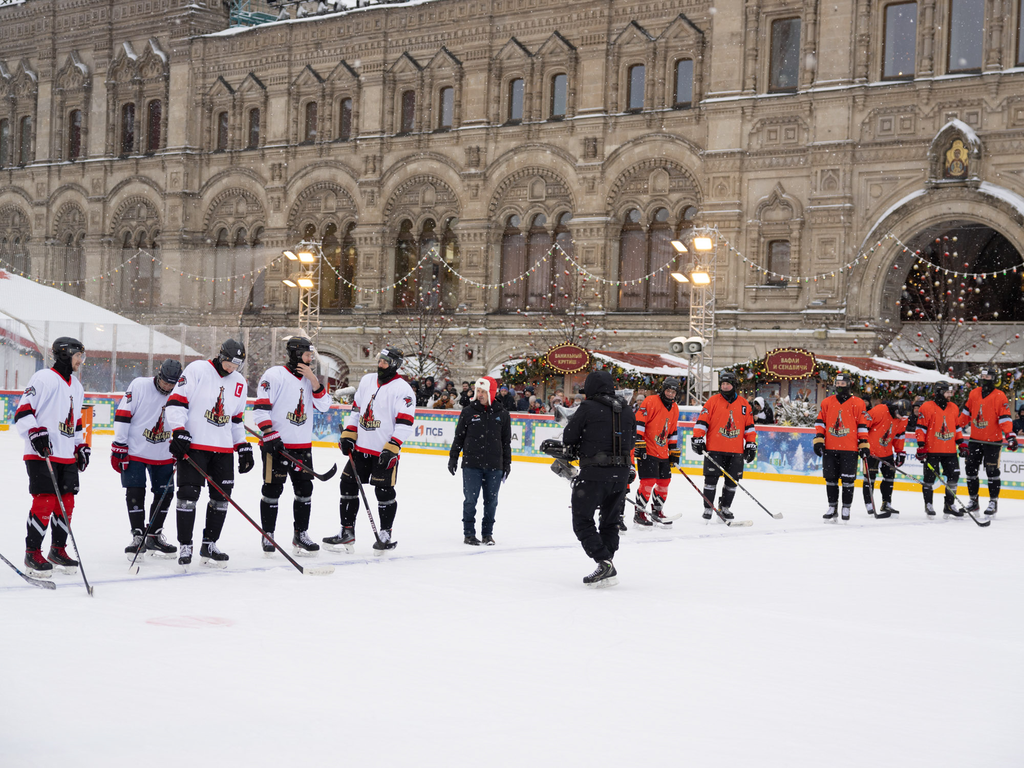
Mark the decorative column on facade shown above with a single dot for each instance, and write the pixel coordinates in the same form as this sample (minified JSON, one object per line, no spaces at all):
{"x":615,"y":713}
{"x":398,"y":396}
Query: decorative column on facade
{"x":862,"y":49}
{"x":752,"y":18}
{"x":927,"y":28}
{"x":809,"y":45}
{"x":994,"y":39}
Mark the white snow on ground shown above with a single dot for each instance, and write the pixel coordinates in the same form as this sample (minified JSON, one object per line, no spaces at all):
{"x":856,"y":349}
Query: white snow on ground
{"x":789,"y":643}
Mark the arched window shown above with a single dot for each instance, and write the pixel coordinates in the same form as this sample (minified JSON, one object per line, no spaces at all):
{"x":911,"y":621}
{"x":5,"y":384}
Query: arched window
{"x":647,"y":260}
{"x":222,"y":132}
{"x":405,"y":260}
{"x":559,"y":96}
{"x":127,"y":128}
{"x":449,"y":254}
{"x":254,"y":129}
{"x":966,"y":31}
{"x":428,"y":276}
{"x":345,"y":120}
{"x":661,"y":286}
{"x":71,"y":269}
{"x":309,"y":125}
{"x":632,"y":261}
{"x":74,"y":135}
{"x":778,"y":263}
{"x":25,"y":141}
{"x":347,"y":269}
{"x":223,"y":270}
{"x":5,"y":143}
{"x":138,"y":271}
{"x":562,"y":284}
{"x":154,"y":121}
{"x":513,"y":265}
{"x":258,"y":293}
{"x":538,"y":245}
{"x":446,"y":109}
{"x":515,"y":101}
{"x":330,"y":246}
{"x":635,"y":88}
{"x":408,"y":124}
{"x":684,"y":84}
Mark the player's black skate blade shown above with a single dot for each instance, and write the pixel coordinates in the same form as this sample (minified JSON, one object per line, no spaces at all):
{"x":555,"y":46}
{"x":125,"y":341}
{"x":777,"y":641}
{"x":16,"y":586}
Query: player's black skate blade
{"x":343,"y":542}
{"x":382,"y":548}
{"x":211,"y":556}
{"x":603,"y":576}
{"x":303,"y":546}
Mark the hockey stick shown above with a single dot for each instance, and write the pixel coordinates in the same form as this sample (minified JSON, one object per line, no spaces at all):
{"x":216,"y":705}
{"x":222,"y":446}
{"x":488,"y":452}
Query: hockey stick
{"x":316,"y":570}
{"x":737,"y":523}
{"x":29,"y":579}
{"x":64,"y":514}
{"x":942,"y":481}
{"x":302,"y":467}
{"x":133,"y":569}
{"x":366,"y":502}
{"x":868,"y":484}
{"x":737,"y":484}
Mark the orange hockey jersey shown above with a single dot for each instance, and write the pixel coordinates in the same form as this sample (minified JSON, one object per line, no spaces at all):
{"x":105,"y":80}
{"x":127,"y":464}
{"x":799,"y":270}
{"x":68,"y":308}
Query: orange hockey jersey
{"x":988,"y":417}
{"x":885,"y":433}
{"x":658,"y":426}
{"x":843,"y":426}
{"x":727,"y":425}
{"x":938,"y":429}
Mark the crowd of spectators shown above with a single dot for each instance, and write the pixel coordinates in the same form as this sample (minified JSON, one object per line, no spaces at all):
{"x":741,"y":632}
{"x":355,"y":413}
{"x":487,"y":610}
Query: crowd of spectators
{"x":446,"y":395}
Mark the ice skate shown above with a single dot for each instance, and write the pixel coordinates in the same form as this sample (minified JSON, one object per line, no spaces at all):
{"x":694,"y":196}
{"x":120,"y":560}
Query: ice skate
{"x":707,"y":514}
{"x":267,"y":544}
{"x":185,"y":557}
{"x":725,"y":513}
{"x":658,"y":518}
{"x":831,"y":515}
{"x":303,"y":546}
{"x":973,"y":505}
{"x":622,"y":524}
{"x":158,"y":546}
{"x":38,"y":566}
{"x":487,"y":541}
{"x":137,"y":545}
{"x":929,"y":509}
{"x":869,"y":507}
{"x":384,"y":543}
{"x":472,"y":540}
{"x":604,"y":575}
{"x":211,"y":556}
{"x":992,"y":508}
{"x":887,"y":510}
{"x":343,"y":542}
{"x":64,"y":562}
{"x":949,"y":510}
{"x":846,"y":514}
{"x":640,"y":520}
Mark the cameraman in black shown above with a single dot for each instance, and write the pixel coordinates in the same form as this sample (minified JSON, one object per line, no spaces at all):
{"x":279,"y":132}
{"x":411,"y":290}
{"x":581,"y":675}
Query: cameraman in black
{"x":601,"y":433}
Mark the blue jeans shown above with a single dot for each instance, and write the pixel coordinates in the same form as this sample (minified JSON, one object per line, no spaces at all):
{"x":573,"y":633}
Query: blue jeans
{"x":473,"y":480}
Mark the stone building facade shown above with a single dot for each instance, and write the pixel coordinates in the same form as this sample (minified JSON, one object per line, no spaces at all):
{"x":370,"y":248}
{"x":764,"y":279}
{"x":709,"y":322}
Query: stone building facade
{"x":486,"y":131}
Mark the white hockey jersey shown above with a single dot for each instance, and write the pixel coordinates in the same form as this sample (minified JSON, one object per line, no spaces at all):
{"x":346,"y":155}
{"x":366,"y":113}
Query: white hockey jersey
{"x":381,"y":413}
{"x":283,"y":401}
{"x":209,"y":407}
{"x":139,"y":422}
{"x":53,"y":402}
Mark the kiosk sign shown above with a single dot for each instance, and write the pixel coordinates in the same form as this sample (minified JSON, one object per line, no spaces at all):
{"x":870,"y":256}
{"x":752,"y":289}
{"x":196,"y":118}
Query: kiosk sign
{"x":789,"y":363}
{"x":567,"y":358}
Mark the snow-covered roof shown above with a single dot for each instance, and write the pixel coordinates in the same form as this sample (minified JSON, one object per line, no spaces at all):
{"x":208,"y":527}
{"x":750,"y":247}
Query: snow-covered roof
{"x":645,"y":362}
{"x":883,"y":369}
{"x":39,"y":314}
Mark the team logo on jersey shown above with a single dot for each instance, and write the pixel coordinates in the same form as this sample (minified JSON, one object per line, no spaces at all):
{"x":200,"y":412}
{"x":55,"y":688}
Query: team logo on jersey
{"x":265,"y":385}
{"x":366,"y":421}
{"x":662,"y":439}
{"x":729,"y":431}
{"x":298,"y":416}
{"x":157,"y":433}
{"x":408,"y":402}
{"x":216,"y":415}
{"x":182,"y":382}
{"x":944,"y":433}
{"x":29,"y":391}
{"x":885,"y":439}
{"x":128,"y":396}
{"x":67,"y":427}
{"x":980,"y":422}
{"x":839,"y":429}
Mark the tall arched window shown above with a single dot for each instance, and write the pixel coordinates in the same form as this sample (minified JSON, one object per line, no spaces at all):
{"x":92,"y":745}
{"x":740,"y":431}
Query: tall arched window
{"x":154,"y":122}
{"x":223,"y":271}
{"x":661,"y":286}
{"x":5,"y":143}
{"x":449,"y":255}
{"x":446,"y":109}
{"x":71,"y":269}
{"x":309,"y":126}
{"x":562,"y":284}
{"x":647,"y":260}
{"x":254,"y":129}
{"x":513,"y":265}
{"x":405,"y":260}
{"x":635,"y":90}
{"x":127,"y":128}
{"x":632,"y":261}
{"x":538,"y":284}
{"x":25,"y":141}
{"x":74,"y":135}
{"x":684,"y":84}
{"x":221,"y":144}
{"x":559,"y":96}
{"x":347,"y":269}
{"x":515,"y":101}
{"x":330,"y":246}
{"x":408,"y":124}
{"x":345,"y":120}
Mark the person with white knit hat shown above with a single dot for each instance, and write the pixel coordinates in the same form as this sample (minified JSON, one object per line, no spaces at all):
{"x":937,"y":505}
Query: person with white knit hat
{"x":484,"y":438}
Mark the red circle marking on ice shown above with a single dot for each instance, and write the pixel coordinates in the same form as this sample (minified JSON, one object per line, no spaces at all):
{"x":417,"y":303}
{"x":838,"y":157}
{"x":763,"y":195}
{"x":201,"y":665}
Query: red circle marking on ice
{"x":190,"y":622}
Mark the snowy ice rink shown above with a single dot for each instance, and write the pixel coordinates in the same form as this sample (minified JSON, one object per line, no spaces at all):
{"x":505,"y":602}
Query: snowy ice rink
{"x":789,"y":643}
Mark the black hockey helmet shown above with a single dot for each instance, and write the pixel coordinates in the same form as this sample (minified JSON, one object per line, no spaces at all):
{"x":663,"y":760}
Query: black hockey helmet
{"x":899,"y":408}
{"x":232,"y":351}
{"x":843,"y":379}
{"x":728,"y":377}
{"x":170,"y":371}
{"x":65,"y":347}
{"x":988,"y":372}
{"x":942,"y":387}
{"x":394,"y":358}
{"x":296,"y":347}
{"x":671,"y":383}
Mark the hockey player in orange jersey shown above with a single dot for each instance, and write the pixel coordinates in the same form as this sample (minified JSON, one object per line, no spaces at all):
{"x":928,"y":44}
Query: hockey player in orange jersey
{"x":987,"y":414}
{"x":657,"y":422}
{"x":841,"y":433}
{"x":725,"y":428}
{"x":938,"y":434}
{"x":887,"y":423}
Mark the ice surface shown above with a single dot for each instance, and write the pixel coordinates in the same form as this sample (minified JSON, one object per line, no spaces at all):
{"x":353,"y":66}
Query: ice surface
{"x":790,"y":643}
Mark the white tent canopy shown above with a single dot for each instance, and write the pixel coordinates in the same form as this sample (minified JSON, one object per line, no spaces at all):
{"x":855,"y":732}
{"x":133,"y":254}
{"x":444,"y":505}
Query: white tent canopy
{"x":883,"y":369}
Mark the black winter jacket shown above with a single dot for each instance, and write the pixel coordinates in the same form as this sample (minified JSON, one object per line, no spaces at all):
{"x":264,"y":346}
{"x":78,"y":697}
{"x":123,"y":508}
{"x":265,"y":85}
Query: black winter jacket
{"x":590,"y":430}
{"x":484,"y":437}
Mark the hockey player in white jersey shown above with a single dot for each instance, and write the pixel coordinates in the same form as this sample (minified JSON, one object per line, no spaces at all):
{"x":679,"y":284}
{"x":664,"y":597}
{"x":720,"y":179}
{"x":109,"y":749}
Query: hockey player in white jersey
{"x":142,"y":446}
{"x":49,"y":418}
{"x":204,"y":414}
{"x":286,"y":397}
{"x":380,"y":422}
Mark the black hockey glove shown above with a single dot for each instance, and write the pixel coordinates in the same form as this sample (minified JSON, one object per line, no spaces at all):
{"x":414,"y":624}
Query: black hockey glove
{"x":385,"y":471}
{"x":864,"y":450}
{"x":453,"y":465}
{"x":750,"y":452}
{"x":899,"y":458}
{"x":40,"y":440}
{"x":640,"y":449}
{"x":1011,"y":442}
{"x":673,"y":457}
{"x":181,"y":442}
{"x":245,"y":459}
{"x":505,"y":472}
{"x":632,"y":475}
{"x":119,"y":457}
{"x":698,"y":444}
{"x":272,"y":442}
{"x":348,"y":441}
{"x":819,"y":446}
{"x":82,"y":455}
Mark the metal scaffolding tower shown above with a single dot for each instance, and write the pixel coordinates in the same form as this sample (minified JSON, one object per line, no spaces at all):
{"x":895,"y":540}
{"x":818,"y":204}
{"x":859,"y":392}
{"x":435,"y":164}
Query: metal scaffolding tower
{"x":704,"y":246}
